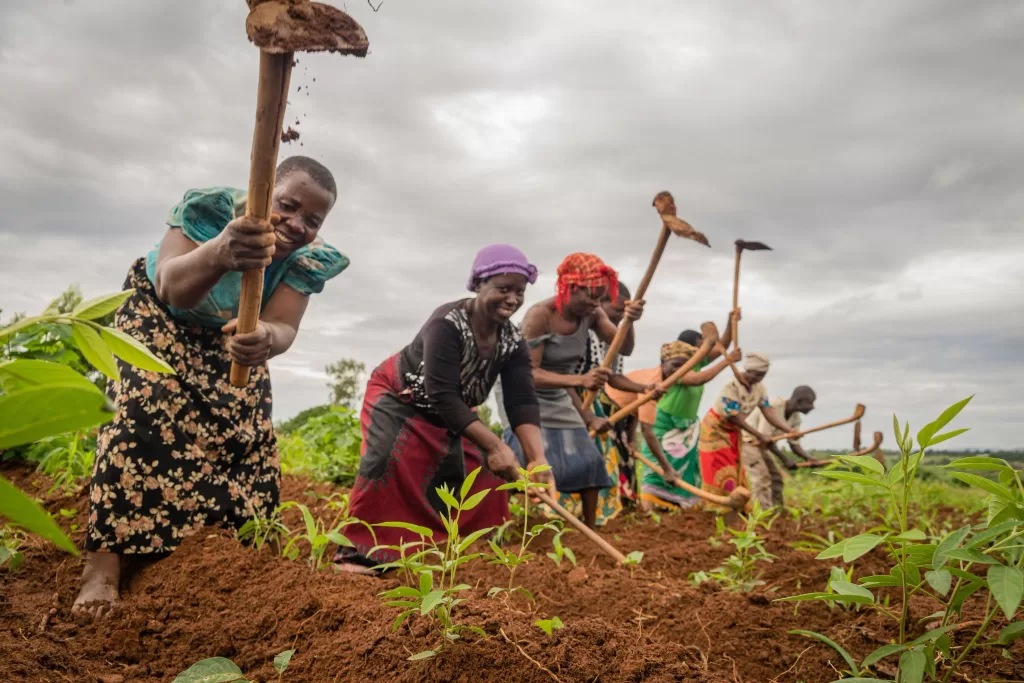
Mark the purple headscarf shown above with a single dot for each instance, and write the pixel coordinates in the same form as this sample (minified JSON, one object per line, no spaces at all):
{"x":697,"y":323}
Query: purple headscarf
{"x":499,"y":259}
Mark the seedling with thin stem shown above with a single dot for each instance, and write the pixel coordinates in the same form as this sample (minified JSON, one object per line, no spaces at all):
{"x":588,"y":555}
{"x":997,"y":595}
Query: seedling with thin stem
{"x":260,"y":529}
{"x":740,"y":571}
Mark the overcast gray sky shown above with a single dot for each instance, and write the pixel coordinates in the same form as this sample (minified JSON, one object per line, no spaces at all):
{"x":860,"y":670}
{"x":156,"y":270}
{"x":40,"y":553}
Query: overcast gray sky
{"x":876,"y":145}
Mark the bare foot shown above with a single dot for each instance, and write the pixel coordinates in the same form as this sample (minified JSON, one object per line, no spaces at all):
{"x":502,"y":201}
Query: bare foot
{"x":100,"y":580}
{"x":352,"y":568}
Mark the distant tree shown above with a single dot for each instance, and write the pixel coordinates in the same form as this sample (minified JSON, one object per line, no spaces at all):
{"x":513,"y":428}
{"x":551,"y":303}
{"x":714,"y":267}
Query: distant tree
{"x":346,"y":382}
{"x":291,"y":425}
{"x":485,"y":415}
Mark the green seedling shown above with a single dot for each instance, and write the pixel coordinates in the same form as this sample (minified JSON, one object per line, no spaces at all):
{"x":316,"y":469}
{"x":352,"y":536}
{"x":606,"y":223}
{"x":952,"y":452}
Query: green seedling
{"x":223,"y":670}
{"x":549,"y":626}
{"x":317,"y":536}
{"x":260,"y":530}
{"x":739,"y":572}
{"x":982,"y":560}
{"x":633,"y":560}
{"x":435,"y":594}
{"x":561,"y":550}
{"x":11,"y":541}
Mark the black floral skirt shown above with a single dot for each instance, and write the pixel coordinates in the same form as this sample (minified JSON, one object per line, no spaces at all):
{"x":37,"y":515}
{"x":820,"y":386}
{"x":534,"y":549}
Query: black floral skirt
{"x":184,"y":451}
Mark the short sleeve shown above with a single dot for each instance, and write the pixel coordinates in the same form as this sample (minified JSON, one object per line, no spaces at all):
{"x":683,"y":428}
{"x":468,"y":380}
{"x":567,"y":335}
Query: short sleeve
{"x":763,"y":400}
{"x":310,"y":267}
{"x":203,"y":213}
{"x":729,"y":400}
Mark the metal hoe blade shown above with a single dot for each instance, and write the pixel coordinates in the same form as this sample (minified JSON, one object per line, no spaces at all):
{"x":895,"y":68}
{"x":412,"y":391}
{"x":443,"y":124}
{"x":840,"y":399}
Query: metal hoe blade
{"x":752,"y":246}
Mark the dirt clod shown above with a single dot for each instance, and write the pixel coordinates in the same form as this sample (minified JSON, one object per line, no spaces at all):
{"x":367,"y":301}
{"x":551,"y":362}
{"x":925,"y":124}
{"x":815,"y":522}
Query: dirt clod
{"x":289,"y":135}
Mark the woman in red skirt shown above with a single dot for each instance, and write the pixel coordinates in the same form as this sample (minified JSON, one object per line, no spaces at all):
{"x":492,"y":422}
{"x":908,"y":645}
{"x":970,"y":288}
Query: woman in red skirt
{"x":420,"y":429}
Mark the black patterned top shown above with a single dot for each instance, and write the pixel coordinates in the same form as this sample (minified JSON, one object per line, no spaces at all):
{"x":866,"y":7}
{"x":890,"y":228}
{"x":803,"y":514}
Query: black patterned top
{"x":445,"y":376}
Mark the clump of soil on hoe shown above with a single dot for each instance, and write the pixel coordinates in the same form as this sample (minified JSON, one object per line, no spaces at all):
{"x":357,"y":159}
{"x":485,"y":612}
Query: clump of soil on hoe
{"x":214,"y":597}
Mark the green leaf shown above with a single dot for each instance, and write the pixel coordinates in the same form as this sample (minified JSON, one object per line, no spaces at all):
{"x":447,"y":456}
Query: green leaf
{"x":447,"y":498}
{"x":940,"y":580}
{"x":415,"y":528}
{"x":859,"y":546}
{"x":213,"y":670}
{"x":831,"y":643}
{"x":101,"y":306}
{"x":34,"y":413}
{"x":992,"y":533}
{"x":426,"y":654}
{"x":467,"y":485}
{"x":339,"y":539}
{"x":952,"y":541}
{"x":946,"y":436}
{"x":473,"y":537}
{"x":828,"y":597}
{"x":971,"y":555}
{"x":881,"y":653}
{"x":95,"y":351}
{"x":910,"y":535}
{"x":879,"y":581}
{"x":543,"y":625}
{"x":19,"y":509}
{"x":400,"y":619}
{"x":26,"y":372}
{"x":430,"y":601}
{"x":976,"y":462}
{"x":933,"y":635}
{"x":635,"y":557}
{"x":132,"y":351}
{"x":426,"y":582}
{"x":1011,"y":633}
{"x":400,"y":592}
{"x":1007,"y":586}
{"x":20,"y":325}
{"x":282,"y":660}
{"x":912,"y":663}
{"x":867,"y":462}
{"x":847,"y":588}
{"x":475,"y":499}
{"x":853,"y":477}
{"x":897,"y":432}
{"x":835,"y":550}
{"x":985,"y":484}
{"x":924,"y":437}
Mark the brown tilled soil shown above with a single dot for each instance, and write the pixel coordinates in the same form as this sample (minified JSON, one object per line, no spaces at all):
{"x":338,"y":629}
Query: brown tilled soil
{"x":214,"y":597}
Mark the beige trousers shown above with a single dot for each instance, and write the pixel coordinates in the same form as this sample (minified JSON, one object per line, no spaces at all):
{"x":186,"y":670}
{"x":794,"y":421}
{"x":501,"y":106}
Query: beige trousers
{"x":764,"y":475}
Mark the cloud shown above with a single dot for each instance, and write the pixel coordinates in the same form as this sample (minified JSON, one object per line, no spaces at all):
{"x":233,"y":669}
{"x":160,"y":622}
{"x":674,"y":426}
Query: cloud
{"x":875,"y":146}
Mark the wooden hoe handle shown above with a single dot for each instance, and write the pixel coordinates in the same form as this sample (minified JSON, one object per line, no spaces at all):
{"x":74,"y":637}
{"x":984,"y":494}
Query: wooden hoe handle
{"x":581,"y":527}
{"x":665,"y":385}
{"x":271,"y":100}
{"x":864,"y":451}
{"x":737,"y":500}
{"x":858,"y":413}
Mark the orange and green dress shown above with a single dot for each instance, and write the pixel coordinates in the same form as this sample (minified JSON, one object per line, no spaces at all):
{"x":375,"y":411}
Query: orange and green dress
{"x":720,"y":439}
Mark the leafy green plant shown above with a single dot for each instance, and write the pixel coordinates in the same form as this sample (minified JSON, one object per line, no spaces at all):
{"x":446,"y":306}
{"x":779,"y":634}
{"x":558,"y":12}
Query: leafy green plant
{"x":43,"y":398}
{"x":549,"y":626}
{"x":223,"y":670}
{"x":435,"y":594}
{"x":67,"y":459}
{"x":717,"y":538}
{"x":11,"y":541}
{"x":944,"y":569}
{"x":633,"y":561}
{"x":561,"y":550}
{"x":260,"y":529}
{"x":513,"y":559}
{"x":325,"y":448}
{"x":316,"y":535}
{"x":739,"y":572}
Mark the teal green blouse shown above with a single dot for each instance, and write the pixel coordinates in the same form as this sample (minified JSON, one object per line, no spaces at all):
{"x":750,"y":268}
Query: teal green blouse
{"x":201,"y":216}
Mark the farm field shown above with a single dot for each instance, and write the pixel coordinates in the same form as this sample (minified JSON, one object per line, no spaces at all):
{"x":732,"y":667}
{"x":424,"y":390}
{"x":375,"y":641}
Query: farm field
{"x":217,"y":598}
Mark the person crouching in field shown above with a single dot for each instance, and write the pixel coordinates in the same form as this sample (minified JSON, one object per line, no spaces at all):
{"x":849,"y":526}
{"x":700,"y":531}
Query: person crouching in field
{"x":419,"y":427}
{"x":189,"y":450}
{"x":720,"y":429}
{"x":557,"y":330}
{"x":763,"y":472}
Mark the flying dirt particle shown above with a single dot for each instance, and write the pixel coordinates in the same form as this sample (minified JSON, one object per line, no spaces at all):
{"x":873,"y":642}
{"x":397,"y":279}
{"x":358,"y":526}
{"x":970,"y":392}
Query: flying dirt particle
{"x":296,"y":122}
{"x":298,"y":89}
{"x":290,"y":135}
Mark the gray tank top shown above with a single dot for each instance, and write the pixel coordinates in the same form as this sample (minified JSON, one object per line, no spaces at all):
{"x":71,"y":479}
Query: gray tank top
{"x":562,"y":354}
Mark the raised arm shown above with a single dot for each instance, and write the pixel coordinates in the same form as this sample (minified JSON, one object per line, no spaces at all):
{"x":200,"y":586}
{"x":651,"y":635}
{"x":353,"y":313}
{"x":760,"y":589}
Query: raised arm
{"x":606,"y":330}
{"x":702,"y":377}
{"x":670,"y":475}
{"x":773,"y":419}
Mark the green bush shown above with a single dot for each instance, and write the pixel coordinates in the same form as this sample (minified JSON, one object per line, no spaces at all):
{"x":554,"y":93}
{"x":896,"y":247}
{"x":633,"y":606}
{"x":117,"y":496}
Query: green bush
{"x":325,"y":448}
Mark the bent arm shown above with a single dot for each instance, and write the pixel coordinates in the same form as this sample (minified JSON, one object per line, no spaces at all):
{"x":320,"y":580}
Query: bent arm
{"x":623,"y":383}
{"x":799,"y":450}
{"x":655,"y":445}
{"x":283,"y":315}
{"x":186,"y":271}
{"x":442,"y":358}
{"x":531,"y":442}
{"x":774,"y":420}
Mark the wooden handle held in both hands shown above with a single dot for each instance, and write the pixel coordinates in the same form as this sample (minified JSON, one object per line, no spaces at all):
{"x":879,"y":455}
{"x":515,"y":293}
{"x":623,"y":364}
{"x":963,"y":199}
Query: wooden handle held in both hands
{"x":858,"y":413}
{"x":739,"y":496}
{"x":271,"y":100}
{"x":581,"y":527}
{"x":665,"y":384}
{"x":626,"y":324}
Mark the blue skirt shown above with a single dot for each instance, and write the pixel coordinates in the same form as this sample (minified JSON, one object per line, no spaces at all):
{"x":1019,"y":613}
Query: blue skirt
{"x":576,"y":463}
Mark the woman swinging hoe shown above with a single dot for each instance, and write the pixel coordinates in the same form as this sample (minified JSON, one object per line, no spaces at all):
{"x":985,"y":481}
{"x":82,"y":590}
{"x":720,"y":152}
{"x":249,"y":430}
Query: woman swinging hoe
{"x":189,"y":450}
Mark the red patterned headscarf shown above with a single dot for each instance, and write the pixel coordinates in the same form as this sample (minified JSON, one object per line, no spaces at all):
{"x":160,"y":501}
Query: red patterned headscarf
{"x":583,"y":270}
